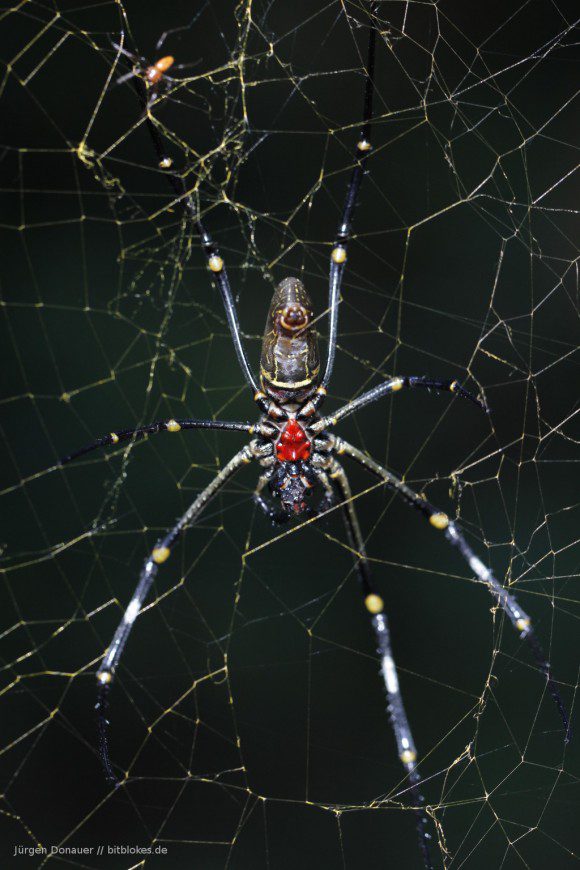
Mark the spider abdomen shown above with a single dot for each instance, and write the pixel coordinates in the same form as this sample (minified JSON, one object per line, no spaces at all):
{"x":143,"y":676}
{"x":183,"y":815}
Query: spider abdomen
{"x":290,"y":362}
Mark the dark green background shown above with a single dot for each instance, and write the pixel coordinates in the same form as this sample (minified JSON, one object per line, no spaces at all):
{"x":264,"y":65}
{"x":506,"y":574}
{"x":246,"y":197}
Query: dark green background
{"x":109,"y":319}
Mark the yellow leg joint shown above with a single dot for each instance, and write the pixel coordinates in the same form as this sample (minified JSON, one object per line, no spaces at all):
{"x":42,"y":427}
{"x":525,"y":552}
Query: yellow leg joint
{"x":439,"y":521}
{"x":114,"y":438}
{"x":160,"y":554}
{"x":408,"y":756}
{"x":374,"y":603}
{"x":338,"y":255}
{"x":173,"y":426}
{"x":396,"y":384}
{"x":364,"y":145}
{"x":523,"y":624}
{"x":215,"y":263}
{"x":454,"y":386}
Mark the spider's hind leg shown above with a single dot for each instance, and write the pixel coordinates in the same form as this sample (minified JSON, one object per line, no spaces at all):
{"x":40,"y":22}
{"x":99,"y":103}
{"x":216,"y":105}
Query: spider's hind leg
{"x":374,"y":606}
{"x":158,"y":556}
{"x":439,"y":520}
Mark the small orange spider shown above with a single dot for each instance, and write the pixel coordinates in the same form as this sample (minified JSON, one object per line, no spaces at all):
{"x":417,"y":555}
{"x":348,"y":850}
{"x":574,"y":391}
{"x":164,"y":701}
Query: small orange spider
{"x":152,"y":74}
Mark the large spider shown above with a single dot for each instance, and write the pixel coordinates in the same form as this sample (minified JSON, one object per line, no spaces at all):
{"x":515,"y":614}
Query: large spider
{"x":297,"y":450}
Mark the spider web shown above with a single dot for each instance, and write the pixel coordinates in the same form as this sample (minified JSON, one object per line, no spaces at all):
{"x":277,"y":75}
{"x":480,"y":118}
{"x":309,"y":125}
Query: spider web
{"x":248,"y":720}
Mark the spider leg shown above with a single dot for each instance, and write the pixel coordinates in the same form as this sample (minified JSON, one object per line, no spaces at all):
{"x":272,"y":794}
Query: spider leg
{"x":217,"y":267}
{"x":338,"y":254}
{"x":134,"y":58}
{"x":159,"y":555}
{"x":124,"y":78}
{"x":175,"y":66}
{"x":328,"y":500}
{"x":182,"y":27}
{"x":277,"y":518}
{"x":520,"y":620}
{"x":120,"y":50}
{"x":152,"y":429}
{"x":393,"y":385}
{"x":215,"y":262}
{"x":375,"y":607}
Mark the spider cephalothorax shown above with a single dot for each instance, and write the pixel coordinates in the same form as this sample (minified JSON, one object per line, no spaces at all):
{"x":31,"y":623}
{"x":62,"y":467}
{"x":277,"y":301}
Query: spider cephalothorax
{"x":296,"y":449}
{"x":293,"y":443}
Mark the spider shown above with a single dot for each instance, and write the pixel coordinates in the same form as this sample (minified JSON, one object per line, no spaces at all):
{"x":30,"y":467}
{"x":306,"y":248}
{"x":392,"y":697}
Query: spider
{"x":297,"y":450}
{"x":154,"y":76}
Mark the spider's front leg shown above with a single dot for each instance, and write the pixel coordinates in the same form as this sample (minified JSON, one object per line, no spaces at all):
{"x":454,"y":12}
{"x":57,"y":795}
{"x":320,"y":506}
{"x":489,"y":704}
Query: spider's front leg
{"x":159,"y":555}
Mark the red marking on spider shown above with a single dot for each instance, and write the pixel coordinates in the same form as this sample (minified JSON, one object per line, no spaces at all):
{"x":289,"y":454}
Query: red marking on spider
{"x":293,"y":443}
